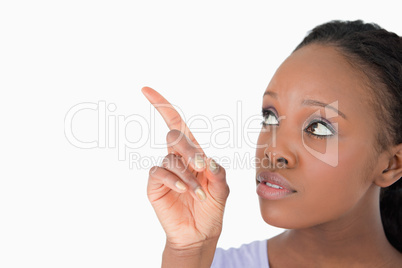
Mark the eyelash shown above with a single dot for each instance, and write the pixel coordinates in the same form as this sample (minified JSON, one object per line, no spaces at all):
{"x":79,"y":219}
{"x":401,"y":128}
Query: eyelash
{"x":267,"y":112}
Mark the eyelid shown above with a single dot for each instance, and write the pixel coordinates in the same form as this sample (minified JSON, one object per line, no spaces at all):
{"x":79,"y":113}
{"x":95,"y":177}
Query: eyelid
{"x":270,"y":109}
{"x":266,"y":113}
{"x":321,"y":120}
{"x":325,"y":122}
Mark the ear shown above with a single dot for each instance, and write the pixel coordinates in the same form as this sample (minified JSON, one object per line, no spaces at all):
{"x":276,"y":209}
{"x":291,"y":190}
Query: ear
{"x":391,"y":163}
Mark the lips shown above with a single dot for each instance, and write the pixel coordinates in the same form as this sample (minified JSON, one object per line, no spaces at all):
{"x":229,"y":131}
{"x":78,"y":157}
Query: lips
{"x":274,"y":180}
{"x":273,"y":186}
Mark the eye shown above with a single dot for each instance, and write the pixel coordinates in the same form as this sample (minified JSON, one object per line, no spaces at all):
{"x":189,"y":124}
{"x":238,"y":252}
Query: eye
{"x":320,"y":129}
{"x":269,"y":118}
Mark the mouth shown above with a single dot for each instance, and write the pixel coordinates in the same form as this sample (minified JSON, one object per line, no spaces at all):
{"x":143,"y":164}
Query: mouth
{"x":273,"y":186}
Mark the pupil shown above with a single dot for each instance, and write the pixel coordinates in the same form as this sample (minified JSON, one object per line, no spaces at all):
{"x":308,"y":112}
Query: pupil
{"x":314,"y":126}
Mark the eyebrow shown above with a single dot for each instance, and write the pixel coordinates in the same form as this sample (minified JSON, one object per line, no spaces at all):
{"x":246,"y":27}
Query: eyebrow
{"x":309,"y":103}
{"x":271,"y":93}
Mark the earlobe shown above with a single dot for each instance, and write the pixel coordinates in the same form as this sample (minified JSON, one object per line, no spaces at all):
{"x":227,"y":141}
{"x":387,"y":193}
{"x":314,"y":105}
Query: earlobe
{"x":393,"y":172}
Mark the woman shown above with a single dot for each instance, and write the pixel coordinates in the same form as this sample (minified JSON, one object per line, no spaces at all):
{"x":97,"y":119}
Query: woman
{"x":329,"y":150}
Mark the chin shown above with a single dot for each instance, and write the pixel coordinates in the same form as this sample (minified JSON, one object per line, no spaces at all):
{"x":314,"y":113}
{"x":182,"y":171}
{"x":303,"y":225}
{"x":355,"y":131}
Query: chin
{"x":276,"y":222}
{"x":273,"y":215}
{"x":281,"y":218}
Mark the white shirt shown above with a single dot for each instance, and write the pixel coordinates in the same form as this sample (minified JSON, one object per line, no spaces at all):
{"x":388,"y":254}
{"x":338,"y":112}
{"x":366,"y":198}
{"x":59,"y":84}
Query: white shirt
{"x":253,"y":255}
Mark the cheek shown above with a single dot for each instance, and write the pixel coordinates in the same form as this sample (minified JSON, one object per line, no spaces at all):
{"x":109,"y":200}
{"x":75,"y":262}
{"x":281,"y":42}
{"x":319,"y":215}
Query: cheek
{"x":325,"y":193}
{"x":329,"y":192}
{"x":260,"y":148}
{"x":262,"y":144}
{"x":321,"y":150}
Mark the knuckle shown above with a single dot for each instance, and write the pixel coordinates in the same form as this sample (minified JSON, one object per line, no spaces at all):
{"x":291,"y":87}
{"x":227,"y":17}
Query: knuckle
{"x":226,"y":192}
{"x":176,"y":120}
{"x":152,"y":170}
{"x":223,"y":172}
{"x":173,"y":134}
{"x":171,"y":161}
{"x":173,"y":137}
{"x":165,"y":179}
{"x":166,"y":160}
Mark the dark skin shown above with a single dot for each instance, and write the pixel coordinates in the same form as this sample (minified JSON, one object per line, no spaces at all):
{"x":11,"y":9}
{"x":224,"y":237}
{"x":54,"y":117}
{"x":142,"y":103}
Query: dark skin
{"x":334,"y":216}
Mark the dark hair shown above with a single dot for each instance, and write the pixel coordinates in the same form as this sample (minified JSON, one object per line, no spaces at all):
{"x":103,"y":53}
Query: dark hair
{"x":376,"y":53}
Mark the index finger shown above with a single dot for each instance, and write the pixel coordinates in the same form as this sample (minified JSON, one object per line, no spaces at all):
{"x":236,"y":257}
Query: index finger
{"x":168,"y":113}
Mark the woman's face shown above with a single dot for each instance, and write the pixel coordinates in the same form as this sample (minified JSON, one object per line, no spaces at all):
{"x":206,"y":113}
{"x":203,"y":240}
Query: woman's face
{"x":329,"y":150}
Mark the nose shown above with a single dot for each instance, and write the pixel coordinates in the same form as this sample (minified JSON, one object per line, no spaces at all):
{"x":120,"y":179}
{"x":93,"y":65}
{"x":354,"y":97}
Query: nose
{"x":276,"y":161}
{"x":280,"y":155}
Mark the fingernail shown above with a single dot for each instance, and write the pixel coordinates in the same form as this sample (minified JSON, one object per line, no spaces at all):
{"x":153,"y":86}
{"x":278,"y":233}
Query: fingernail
{"x":200,"y":194}
{"x":213,"y":167}
{"x":180,"y":186}
{"x":199,"y":161}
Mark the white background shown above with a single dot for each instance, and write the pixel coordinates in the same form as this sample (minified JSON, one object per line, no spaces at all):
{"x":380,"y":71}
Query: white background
{"x":64,"y":206}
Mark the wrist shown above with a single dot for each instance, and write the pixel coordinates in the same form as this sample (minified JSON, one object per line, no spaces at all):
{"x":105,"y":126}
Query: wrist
{"x":198,"y":254}
{"x":188,"y":248}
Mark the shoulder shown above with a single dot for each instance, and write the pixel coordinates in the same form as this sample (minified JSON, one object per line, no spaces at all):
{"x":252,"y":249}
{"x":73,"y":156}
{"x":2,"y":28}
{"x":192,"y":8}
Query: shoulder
{"x":253,"y":254}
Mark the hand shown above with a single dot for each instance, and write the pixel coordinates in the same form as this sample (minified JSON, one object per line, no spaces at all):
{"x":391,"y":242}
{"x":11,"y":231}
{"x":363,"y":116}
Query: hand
{"x":189,"y":191}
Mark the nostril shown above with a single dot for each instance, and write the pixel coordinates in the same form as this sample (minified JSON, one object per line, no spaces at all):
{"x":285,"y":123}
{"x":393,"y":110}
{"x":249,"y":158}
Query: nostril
{"x":278,"y":160}
{"x":282,"y":160}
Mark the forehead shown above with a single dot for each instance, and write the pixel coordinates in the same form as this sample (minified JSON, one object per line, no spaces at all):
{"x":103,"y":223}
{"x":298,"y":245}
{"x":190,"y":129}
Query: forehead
{"x":322,"y":73}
